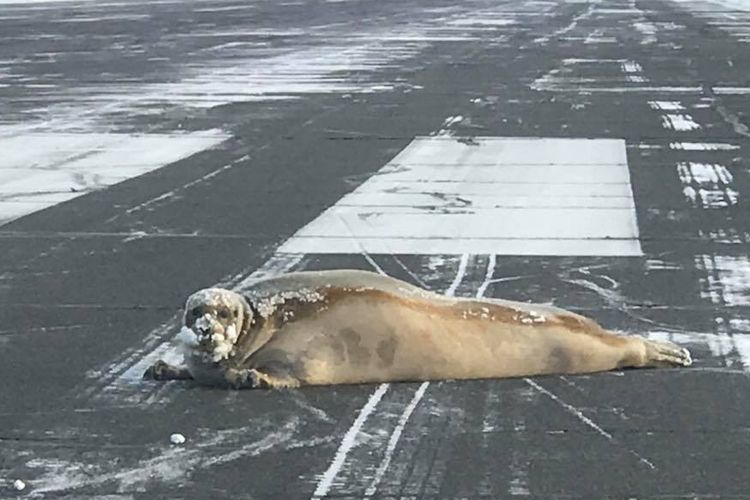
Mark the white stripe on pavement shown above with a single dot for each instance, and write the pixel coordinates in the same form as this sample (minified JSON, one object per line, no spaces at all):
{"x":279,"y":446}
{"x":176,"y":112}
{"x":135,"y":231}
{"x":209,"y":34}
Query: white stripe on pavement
{"x":509,"y":196}
{"x":41,"y":169}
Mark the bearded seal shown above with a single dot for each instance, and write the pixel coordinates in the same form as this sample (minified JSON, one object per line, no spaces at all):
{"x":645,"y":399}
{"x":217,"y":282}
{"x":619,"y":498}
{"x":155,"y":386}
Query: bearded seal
{"x":350,"y":327}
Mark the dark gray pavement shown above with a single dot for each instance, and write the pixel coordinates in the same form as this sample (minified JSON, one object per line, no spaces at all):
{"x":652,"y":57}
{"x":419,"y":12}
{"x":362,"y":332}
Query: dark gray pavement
{"x":316,"y":97}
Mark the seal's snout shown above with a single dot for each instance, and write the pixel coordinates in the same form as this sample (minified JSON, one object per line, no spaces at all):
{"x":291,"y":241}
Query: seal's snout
{"x":204,"y":325}
{"x":215,"y":317}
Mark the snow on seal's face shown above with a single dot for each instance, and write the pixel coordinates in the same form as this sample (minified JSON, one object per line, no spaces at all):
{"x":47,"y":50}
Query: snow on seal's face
{"x":216,"y":317}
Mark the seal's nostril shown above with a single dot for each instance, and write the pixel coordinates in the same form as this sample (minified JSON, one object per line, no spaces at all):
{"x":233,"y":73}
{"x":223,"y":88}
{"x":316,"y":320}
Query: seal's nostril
{"x":201,"y":330}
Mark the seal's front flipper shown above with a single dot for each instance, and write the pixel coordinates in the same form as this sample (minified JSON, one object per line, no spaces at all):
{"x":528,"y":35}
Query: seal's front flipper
{"x":254,"y":379}
{"x":164,"y":371}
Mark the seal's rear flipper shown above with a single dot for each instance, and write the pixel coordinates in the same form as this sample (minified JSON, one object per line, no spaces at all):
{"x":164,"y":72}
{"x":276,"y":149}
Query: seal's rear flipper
{"x":665,"y":354}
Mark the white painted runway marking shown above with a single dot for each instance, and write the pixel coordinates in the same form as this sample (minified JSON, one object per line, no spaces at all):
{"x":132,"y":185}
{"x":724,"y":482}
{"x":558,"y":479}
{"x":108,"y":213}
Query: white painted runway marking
{"x":349,"y":440}
{"x":510,"y":196}
{"x":666,"y":105}
{"x":673,"y":116}
{"x":704,"y":173}
{"x":703,"y":146}
{"x":646,"y":89}
{"x":679,"y":121}
{"x":727,"y":281}
{"x":38,"y":170}
{"x":584,"y":75}
{"x":395,"y":437}
{"x":707,"y":185}
{"x":633,"y":71}
{"x":731,"y":90}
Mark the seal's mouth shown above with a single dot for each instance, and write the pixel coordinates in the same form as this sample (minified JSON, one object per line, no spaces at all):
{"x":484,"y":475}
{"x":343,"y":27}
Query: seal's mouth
{"x":214,"y":337}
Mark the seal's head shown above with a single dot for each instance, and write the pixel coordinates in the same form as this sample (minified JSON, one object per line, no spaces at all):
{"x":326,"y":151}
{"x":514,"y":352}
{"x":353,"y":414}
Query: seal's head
{"x":217,"y":317}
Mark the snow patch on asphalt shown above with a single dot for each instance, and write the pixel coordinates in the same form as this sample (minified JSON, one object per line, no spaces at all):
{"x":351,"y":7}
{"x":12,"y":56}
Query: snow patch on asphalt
{"x":165,"y":463}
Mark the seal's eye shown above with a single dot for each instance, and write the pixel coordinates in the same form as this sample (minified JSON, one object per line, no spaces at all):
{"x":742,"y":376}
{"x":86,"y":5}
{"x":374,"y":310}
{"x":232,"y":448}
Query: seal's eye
{"x":196,"y":312}
{"x":223,"y":313}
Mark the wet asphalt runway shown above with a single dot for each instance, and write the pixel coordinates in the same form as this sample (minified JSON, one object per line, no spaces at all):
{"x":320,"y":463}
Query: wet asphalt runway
{"x":310,"y":99}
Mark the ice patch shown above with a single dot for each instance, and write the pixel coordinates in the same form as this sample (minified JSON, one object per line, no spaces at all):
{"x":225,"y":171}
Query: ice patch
{"x":177,"y":438}
{"x":165,"y":464}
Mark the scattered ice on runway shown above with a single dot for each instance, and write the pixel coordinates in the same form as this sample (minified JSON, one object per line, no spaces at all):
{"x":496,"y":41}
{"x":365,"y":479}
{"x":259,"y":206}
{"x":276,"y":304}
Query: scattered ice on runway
{"x":177,"y":438}
{"x":241,"y":65}
{"x":165,"y":463}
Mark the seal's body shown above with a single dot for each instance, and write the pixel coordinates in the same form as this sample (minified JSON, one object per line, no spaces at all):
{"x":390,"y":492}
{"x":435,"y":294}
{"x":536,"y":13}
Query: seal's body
{"x":346,"y":326}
